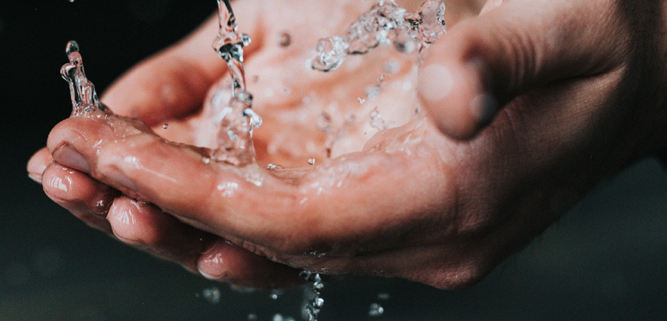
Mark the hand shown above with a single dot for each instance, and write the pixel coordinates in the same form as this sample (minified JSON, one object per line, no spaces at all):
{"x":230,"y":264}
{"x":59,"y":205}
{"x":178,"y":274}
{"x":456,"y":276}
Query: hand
{"x":413,"y":203}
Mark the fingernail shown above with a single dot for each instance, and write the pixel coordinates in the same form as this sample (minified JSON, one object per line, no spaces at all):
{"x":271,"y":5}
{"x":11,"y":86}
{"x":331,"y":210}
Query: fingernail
{"x":483,"y":108}
{"x":35,"y":177}
{"x":118,"y":179}
{"x":36,"y":167}
{"x":69,"y":157}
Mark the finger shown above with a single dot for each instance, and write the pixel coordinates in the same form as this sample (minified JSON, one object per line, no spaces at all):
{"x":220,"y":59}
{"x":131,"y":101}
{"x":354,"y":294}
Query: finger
{"x":224,"y":261}
{"x":101,"y":148}
{"x":148,"y":228}
{"x":84,"y":197}
{"x":145,"y":226}
{"x":331,"y":210}
{"x":38,"y":163}
{"x":485,"y":62}
{"x":173,"y":83}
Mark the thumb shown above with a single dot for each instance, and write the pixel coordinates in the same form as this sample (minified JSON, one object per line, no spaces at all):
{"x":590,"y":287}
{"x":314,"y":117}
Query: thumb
{"x":485,"y":62}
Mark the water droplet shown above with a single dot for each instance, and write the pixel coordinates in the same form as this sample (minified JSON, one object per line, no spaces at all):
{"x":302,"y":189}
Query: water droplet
{"x":279,"y":317}
{"x":165,"y":126}
{"x":311,"y":161}
{"x":71,"y":1}
{"x":376,"y":120}
{"x":272,"y":167}
{"x":285,"y":39}
{"x":275,"y":294}
{"x":383,"y":296}
{"x":381,"y":78}
{"x":212,"y":295}
{"x":375,"y":310}
{"x":315,"y":302}
{"x":329,"y":54}
{"x":405,"y":43}
{"x":372,"y":92}
{"x":391,"y":67}
{"x":432,"y":20}
{"x":252,"y":317}
{"x":361,"y":100}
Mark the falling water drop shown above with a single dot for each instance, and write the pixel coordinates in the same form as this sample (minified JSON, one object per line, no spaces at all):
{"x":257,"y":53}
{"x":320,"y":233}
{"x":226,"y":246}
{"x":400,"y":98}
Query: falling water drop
{"x":212,"y":295}
{"x":275,"y":294}
{"x":375,"y":310}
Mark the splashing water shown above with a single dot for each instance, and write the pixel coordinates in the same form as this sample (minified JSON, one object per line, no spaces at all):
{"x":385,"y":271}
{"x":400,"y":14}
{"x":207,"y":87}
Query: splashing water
{"x":384,"y":23}
{"x":315,"y":302}
{"x":376,"y":120}
{"x":82,"y":91}
{"x":237,"y":120}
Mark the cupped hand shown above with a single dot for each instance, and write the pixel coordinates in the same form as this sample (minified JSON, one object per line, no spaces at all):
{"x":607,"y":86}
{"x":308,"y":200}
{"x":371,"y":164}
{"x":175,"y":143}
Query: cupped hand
{"x":408,"y":201}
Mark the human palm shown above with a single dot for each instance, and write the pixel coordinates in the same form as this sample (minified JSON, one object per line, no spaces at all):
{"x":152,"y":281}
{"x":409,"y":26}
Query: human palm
{"x":406,"y":201}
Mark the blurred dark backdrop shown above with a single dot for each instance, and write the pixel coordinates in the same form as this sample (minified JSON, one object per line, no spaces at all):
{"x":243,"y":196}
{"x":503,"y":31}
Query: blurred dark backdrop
{"x":605,"y":260}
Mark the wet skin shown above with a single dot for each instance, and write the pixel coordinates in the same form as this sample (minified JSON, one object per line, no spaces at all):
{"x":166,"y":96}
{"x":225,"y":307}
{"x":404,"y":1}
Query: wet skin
{"x":527,"y":107}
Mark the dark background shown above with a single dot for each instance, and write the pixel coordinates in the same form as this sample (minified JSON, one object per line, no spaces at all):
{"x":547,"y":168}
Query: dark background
{"x":605,"y":260}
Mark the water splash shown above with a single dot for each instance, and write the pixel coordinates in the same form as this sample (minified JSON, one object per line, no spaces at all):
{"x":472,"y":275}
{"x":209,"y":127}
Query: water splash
{"x":376,"y":119}
{"x":315,"y":302}
{"x":82,"y":91}
{"x":385,"y":23}
{"x":236,"y":119}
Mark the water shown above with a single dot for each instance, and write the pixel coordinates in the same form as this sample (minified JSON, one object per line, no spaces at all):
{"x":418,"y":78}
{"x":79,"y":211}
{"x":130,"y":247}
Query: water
{"x":275,"y":294}
{"x":236,"y":118}
{"x":376,"y":120}
{"x":385,"y":23}
{"x":375,"y":310}
{"x":315,"y":302}
{"x":212,"y":295}
{"x":82,"y":91}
